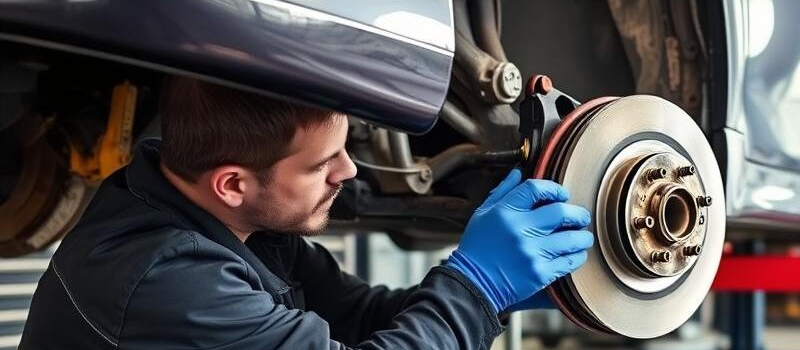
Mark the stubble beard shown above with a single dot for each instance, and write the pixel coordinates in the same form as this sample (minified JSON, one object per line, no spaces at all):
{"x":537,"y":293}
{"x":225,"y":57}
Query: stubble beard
{"x":272,"y":218}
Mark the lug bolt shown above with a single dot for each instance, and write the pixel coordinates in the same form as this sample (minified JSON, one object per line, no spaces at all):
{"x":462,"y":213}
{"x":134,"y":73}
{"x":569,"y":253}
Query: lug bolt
{"x":687,"y":170}
{"x":704,"y":201}
{"x":655,"y":174}
{"x":660,"y":256}
{"x":425,"y":175}
{"x":692,"y":250}
{"x":645,"y":222}
{"x":702,"y":219}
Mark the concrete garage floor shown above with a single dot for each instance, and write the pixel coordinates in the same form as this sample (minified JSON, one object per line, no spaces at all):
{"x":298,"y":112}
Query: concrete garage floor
{"x":782,"y":338}
{"x":775,"y":338}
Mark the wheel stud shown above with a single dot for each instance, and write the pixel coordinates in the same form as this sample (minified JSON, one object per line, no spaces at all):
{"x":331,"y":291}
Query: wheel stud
{"x":660,"y":256}
{"x":687,"y":170}
{"x":645,"y":222}
{"x":655,"y":174}
{"x":691,"y":250}
{"x":704,"y":201}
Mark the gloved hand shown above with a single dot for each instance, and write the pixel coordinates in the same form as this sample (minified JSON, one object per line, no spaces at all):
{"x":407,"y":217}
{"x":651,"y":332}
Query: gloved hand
{"x":521,"y":239}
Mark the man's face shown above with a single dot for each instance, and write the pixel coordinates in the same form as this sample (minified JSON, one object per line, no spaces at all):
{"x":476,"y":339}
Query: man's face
{"x":300,"y":188}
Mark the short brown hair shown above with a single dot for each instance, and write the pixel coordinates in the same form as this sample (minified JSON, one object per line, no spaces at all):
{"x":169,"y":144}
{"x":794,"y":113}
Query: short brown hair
{"x":205,"y":125}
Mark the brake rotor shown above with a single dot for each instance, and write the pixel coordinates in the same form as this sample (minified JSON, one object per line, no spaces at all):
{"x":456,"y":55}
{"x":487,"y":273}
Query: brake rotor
{"x":645,"y":171}
{"x":45,"y":200}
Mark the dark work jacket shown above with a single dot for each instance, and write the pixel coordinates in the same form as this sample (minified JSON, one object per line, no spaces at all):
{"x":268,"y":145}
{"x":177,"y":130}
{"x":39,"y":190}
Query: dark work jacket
{"x":145,"y":268}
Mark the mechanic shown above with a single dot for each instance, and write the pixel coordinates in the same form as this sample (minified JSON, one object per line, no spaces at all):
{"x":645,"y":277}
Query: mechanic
{"x":199,"y":244}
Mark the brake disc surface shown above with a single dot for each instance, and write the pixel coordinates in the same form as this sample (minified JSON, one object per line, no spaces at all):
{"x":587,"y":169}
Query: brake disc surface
{"x":646,"y":172}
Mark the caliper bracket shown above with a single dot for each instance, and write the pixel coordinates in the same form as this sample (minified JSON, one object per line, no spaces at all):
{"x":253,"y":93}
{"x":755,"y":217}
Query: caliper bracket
{"x":542,"y":109}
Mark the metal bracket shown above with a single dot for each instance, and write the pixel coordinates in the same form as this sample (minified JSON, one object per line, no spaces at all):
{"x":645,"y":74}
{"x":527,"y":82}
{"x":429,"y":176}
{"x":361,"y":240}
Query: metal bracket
{"x":542,"y":109}
{"x":113,"y":149}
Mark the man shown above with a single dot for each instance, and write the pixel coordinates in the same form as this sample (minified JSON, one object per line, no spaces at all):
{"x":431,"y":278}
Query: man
{"x":159,"y":259}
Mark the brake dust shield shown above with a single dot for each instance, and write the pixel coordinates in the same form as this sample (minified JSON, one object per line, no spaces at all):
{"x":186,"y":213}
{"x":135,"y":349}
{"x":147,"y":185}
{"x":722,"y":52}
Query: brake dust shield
{"x":644,"y":169}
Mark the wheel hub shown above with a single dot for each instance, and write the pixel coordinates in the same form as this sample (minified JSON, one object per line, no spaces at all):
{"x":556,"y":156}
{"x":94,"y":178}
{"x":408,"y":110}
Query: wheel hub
{"x":652,"y":204}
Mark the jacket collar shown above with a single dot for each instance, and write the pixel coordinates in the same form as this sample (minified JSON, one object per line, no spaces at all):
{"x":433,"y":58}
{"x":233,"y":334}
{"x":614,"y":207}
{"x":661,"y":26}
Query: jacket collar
{"x":145,"y":180}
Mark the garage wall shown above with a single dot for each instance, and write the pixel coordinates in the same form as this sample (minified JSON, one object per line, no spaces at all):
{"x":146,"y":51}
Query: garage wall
{"x":18,"y":278}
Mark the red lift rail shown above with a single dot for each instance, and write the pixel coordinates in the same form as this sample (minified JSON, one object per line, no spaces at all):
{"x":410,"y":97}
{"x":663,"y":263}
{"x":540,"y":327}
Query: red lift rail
{"x":767,"y":273}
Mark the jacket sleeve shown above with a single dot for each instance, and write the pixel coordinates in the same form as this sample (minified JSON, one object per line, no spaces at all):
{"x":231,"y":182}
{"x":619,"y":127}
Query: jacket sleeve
{"x":351,"y":306}
{"x":198,"y":298}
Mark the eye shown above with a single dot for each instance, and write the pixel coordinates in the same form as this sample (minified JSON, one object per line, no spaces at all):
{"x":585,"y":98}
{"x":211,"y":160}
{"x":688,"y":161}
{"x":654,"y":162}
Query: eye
{"x":320,"y":167}
{"x":325,"y":164}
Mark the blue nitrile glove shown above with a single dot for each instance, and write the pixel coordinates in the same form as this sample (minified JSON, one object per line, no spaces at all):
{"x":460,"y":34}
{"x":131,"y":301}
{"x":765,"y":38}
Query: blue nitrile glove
{"x":510,"y":250}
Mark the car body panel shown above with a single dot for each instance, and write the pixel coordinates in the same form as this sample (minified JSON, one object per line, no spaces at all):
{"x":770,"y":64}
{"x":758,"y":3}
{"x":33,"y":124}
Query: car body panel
{"x":762,"y":126}
{"x":269,"y":46}
{"x":427,"y":21}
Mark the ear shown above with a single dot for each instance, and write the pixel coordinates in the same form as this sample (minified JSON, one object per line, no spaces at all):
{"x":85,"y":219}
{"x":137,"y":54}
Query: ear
{"x":228,"y":184}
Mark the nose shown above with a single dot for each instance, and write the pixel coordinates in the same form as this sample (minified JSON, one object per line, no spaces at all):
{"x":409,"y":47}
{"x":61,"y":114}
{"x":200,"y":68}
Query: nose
{"x":345,"y":169}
